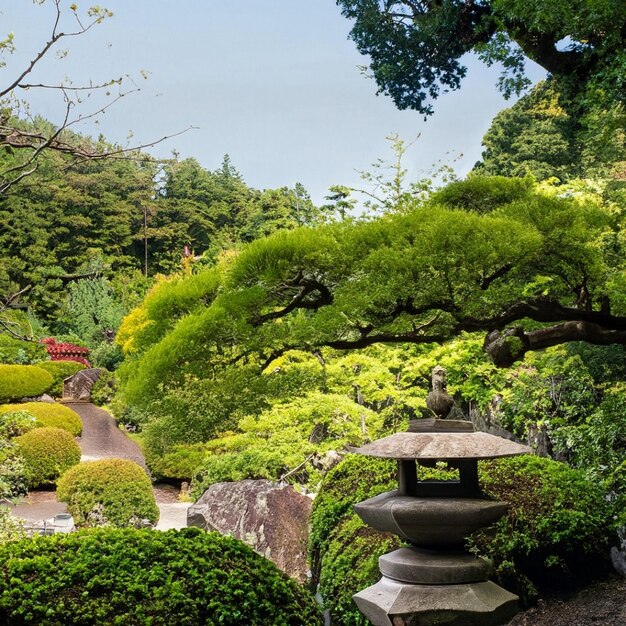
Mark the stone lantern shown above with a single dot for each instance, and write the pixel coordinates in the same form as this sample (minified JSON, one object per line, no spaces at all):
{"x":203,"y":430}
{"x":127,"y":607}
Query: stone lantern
{"x":434,"y":581}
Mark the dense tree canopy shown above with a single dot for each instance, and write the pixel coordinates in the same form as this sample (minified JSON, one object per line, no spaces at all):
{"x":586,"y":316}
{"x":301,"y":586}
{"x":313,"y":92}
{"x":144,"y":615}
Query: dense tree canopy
{"x":110,"y":216}
{"x":541,"y":136}
{"x":416,"y":46}
{"x":535,"y":271}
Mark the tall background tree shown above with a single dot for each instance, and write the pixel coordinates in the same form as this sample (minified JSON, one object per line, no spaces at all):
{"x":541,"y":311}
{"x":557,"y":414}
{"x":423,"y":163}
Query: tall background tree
{"x":416,"y":47}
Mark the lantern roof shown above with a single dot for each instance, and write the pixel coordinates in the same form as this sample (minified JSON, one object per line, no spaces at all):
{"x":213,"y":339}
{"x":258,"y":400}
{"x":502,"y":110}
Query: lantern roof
{"x":442,"y":446}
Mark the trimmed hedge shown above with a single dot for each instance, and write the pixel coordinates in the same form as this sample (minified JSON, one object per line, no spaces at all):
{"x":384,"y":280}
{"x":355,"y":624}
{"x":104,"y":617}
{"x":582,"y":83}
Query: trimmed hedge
{"x":23,"y":381}
{"x":109,"y":491}
{"x":60,"y":370}
{"x":146,"y":578}
{"x":50,"y":415}
{"x":555,"y":536}
{"x":47,"y":453}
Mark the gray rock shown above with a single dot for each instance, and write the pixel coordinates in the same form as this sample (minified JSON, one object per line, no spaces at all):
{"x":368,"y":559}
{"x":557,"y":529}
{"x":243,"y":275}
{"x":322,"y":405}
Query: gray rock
{"x":44,"y":398}
{"x":272,"y":519}
{"x":78,"y":387}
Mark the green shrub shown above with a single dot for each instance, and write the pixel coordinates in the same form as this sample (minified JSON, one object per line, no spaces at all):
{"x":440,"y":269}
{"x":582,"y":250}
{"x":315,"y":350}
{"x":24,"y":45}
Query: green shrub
{"x":60,"y":370}
{"x":350,"y":564}
{"x":23,"y":381}
{"x":18,"y":352}
{"x":13,"y":471}
{"x":106,"y":355}
{"x":47,"y":453}
{"x":103,"y":389}
{"x":146,"y":578}
{"x":49,"y":415}
{"x":558,"y":528}
{"x":279,"y":439}
{"x":11,"y":528}
{"x":110,"y":491}
{"x":182,"y":463}
{"x":16,"y":423}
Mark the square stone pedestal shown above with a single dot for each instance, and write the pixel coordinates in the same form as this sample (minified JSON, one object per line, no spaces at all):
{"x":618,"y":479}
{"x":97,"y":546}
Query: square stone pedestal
{"x":393,"y":603}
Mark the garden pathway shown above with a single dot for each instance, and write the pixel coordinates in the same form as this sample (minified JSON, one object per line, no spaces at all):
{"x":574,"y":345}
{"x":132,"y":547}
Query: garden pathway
{"x":101,"y":439}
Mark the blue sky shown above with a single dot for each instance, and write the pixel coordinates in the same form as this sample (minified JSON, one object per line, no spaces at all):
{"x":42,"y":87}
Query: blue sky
{"x":274,"y":83}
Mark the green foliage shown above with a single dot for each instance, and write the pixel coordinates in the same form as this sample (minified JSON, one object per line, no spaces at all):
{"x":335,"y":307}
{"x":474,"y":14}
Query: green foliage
{"x":21,"y":381}
{"x":545,"y":135}
{"x":47,"y":453}
{"x":13,"y":472}
{"x":109,"y":491}
{"x":557,"y":531}
{"x":484,"y":194}
{"x":107,"y":355}
{"x":282,"y":438}
{"x":92,"y":310}
{"x":18,"y":352}
{"x":127,"y":576}
{"x":350,"y":564}
{"x":50,"y":415}
{"x":60,"y":370}
{"x":416,"y":51}
{"x":550,"y":387}
{"x":11,"y":528}
{"x":14,"y":423}
{"x":19,"y":334}
{"x":355,"y":479}
{"x":103,"y":389}
{"x":597,"y":444}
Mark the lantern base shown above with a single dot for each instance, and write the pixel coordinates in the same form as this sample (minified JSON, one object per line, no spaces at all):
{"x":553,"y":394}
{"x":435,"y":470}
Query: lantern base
{"x":393,"y":603}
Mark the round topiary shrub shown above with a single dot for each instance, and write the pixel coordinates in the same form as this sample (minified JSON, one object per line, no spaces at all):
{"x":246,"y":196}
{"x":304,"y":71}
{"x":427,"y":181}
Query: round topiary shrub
{"x":110,"y":491}
{"x":49,"y":415}
{"x":23,"y":381}
{"x":47,"y":453}
{"x":146,"y":577}
{"x":60,"y":370}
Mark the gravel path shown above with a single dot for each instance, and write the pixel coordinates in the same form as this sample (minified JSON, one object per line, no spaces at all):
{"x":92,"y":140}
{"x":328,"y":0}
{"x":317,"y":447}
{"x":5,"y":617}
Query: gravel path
{"x":101,"y":439}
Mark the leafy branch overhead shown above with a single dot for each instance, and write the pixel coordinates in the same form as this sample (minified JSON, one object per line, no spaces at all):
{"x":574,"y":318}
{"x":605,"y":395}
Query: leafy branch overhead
{"x":529,"y":274}
{"x":25,"y":137}
{"x":416,"y":47}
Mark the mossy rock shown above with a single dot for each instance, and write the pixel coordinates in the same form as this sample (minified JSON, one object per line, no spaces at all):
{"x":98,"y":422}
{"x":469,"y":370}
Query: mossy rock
{"x":23,"y":381}
{"x":109,"y":491}
{"x":147,"y":578}
{"x":50,"y":415}
{"x":47,"y":453}
{"x":60,"y":370}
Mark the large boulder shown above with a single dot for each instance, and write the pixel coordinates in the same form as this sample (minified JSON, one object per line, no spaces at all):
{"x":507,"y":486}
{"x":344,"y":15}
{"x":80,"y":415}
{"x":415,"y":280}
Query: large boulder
{"x":78,"y":387}
{"x":272,"y":519}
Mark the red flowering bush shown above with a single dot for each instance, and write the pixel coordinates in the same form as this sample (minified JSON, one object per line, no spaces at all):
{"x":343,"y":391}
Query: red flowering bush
{"x":66,"y":351}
